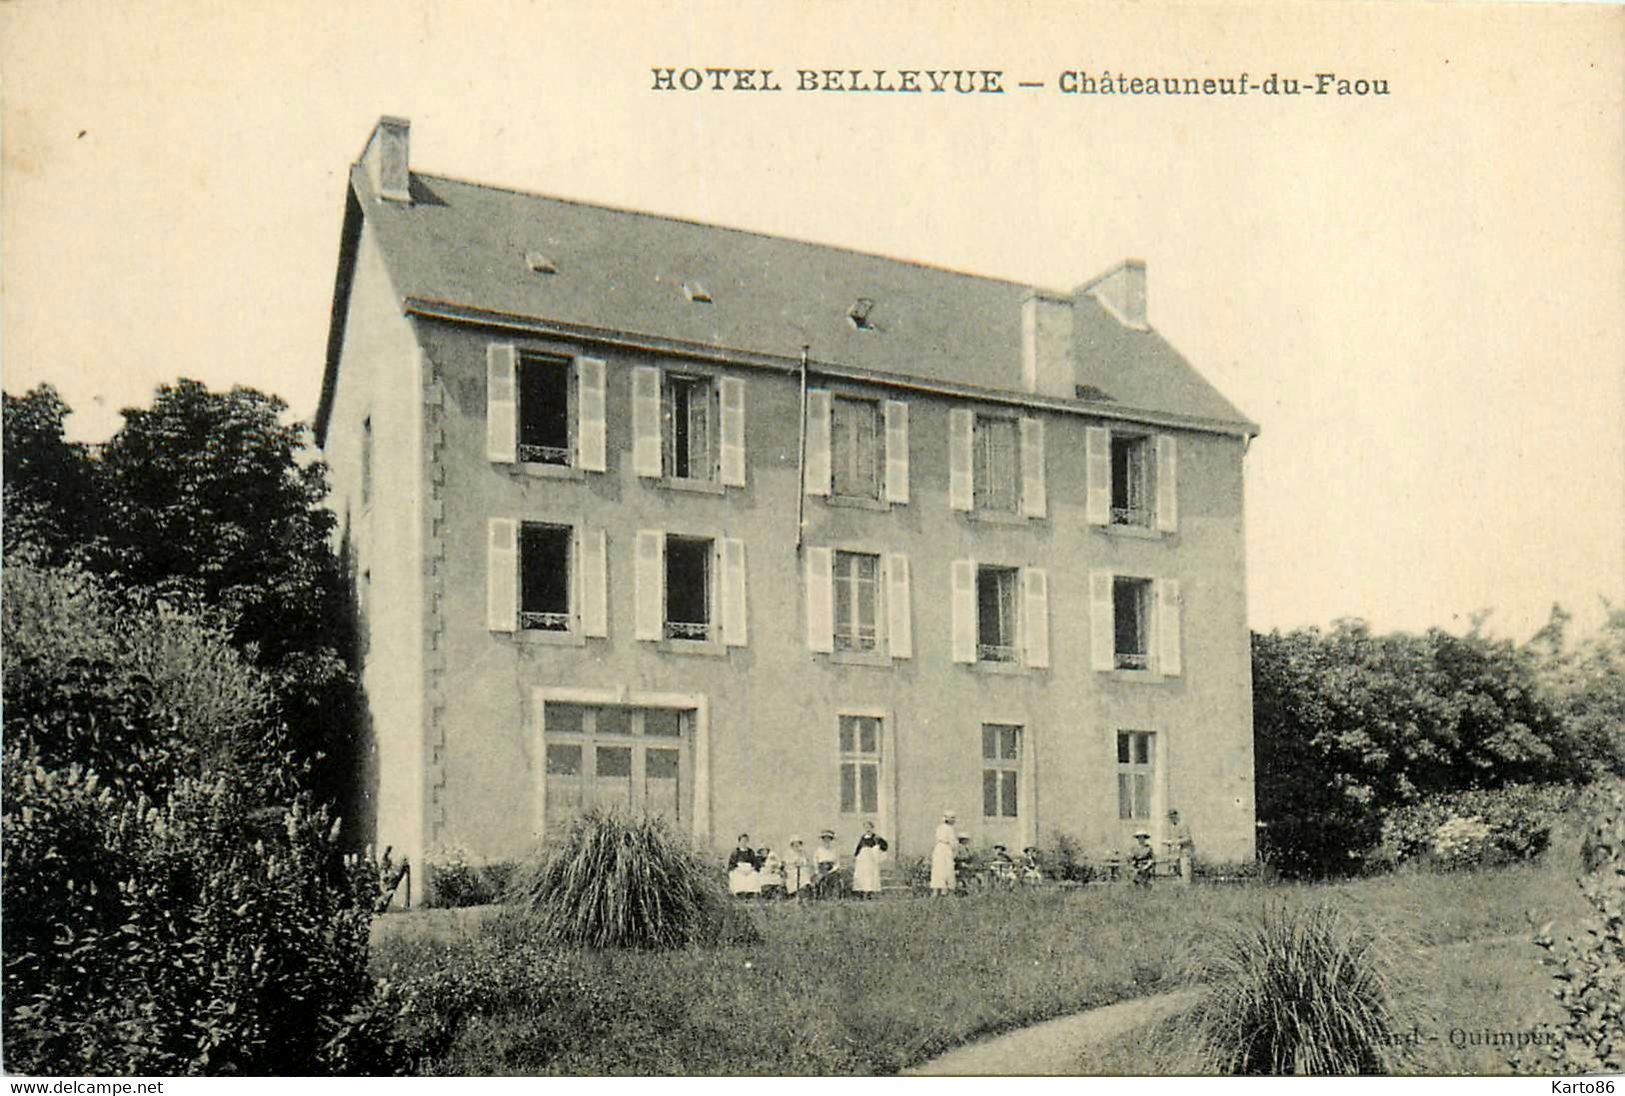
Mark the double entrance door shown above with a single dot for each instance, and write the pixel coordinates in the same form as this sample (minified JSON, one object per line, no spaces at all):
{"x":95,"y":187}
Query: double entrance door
{"x":617,"y":756}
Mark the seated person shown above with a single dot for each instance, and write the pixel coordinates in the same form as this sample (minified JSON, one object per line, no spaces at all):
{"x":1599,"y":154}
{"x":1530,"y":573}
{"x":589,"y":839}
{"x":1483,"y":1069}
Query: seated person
{"x":1031,"y":870}
{"x":743,"y":877}
{"x":771,"y":873}
{"x":1002,"y":867}
{"x":1143,"y":859}
{"x":824,"y":859}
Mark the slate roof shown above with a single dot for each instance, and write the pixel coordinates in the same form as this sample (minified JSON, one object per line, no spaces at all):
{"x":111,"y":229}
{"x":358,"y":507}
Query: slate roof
{"x":465,"y":245}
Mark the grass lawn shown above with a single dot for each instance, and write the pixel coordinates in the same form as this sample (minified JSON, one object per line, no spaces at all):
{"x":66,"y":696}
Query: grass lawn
{"x":853,"y":987}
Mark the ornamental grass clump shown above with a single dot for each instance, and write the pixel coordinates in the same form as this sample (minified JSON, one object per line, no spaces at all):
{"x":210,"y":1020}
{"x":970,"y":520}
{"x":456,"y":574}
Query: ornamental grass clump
{"x":1301,"y":990}
{"x":620,"y":880}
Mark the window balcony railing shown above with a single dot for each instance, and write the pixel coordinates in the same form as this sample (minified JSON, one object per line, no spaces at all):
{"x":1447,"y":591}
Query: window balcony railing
{"x":861,"y":641}
{"x":691,"y":630}
{"x":1127,"y":661}
{"x":544,"y":454}
{"x":544,"y":622}
{"x":995,"y":652}
{"x":1131,"y":515}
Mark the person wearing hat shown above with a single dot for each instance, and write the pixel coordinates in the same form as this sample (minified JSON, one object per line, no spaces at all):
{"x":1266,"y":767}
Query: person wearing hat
{"x":797,"y":869}
{"x":1032,"y":870}
{"x":942,"y":856}
{"x":1002,"y":866}
{"x":824,"y":860}
{"x":743,"y":877}
{"x":1143,"y":859}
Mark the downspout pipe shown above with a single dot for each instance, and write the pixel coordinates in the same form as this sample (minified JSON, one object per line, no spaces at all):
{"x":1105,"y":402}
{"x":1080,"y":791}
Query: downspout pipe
{"x":801,"y":458}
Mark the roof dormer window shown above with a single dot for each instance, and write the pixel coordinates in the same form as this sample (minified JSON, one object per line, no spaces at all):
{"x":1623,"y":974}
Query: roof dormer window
{"x":859,"y":314}
{"x":696,"y":292}
{"x":540,"y":263}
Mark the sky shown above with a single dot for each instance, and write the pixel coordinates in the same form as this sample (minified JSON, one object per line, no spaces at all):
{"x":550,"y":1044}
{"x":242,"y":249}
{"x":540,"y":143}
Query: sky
{"x":1419,"y":296}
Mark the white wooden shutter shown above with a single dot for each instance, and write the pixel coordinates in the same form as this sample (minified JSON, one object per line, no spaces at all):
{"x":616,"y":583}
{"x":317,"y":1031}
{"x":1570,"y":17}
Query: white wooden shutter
{"x":896,"y":451}
{"x":1098,"y":472}
{"x":733,"y":432}
{"x":1034,"y":492}
{"x":899,"y":607}
{"x":820,"y":600}
{"x":734,"y":617}
{"x":964,"y":610}
{"x":649,"y":576}
{"x":1102,"y":630}
{"x":1168,"y":660}
{"x":961,"y":471}
{"x":590,"y":409}
{"x":501,"y":403}
{"x":502,"y":574}
{"x":818,"y":463}
{"x":592,"y":563}
{"x":1167,"y":484}
{"x":646,"y":421}
{"x":1035,"y":615}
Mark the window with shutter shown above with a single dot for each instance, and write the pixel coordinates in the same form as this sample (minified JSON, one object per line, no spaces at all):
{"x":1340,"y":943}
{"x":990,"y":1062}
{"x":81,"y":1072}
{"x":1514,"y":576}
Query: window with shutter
{"x":857,"y":601}
{"x":649,"y":577}
{"x":647,"y":449}
{"x":897,"y":489}
{"x":996,"y":473}
{"x":545,"y":410}
{"x":690,"y":451}
{"x":689,"y":589}
{"x":963,"y":595}
{"x":854,"y":448}
{"x":545,"y":578}
{"x":1131,"y":617}
{"x":820,"y":600}
{"x":591,"y":430}
{"x":733,"y":431}
{"x":1035,"y":616}
{"x":996,"y":614}
{"x":817,"y":469}
{"x":501,"y":403}
{"x":502,"y":574}
{"x":734,"y":616}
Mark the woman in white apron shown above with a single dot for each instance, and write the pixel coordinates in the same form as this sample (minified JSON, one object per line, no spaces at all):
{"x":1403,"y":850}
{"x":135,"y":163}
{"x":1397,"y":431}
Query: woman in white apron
{"x":942,"y":857}
{"x":866,"y":862}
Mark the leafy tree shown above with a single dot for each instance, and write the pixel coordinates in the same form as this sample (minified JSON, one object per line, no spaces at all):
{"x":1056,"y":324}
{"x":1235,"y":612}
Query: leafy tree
{"x":205,"y":500}
{"x":1349,"y":725}
{"x":1585,"y":682}
{"x":49,"y":492}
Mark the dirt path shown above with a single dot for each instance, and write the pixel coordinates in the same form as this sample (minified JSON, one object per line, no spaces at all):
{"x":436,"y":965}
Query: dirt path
{"x":1052,"y":1048}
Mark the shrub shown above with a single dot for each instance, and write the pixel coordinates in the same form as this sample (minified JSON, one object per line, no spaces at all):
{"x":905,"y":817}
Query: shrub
{"x":193,"y":936}
{"x":629,"y":881}
{"x":1590,"y":970}
{"x":1064,"y":858}
{"x":1300,"y":990}
{"x":1463,"y":829}
{"x":1230,"y":871}
{"x":456,"y":881}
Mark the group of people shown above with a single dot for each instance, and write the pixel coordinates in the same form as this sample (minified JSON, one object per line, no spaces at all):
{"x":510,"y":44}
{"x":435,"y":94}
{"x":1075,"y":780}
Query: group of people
{"x":765,"y":873}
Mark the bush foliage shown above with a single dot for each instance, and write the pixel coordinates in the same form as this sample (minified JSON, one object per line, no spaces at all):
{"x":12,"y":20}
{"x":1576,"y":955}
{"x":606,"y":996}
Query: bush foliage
{"x":456,"y":881}
{"x":1350,"y":726}
{"x":1466,"y":829}
{"x":172,"y":905}
{"x":1590,"y":969}
{"x":1300,"y":990}
{"x":629,"y":881}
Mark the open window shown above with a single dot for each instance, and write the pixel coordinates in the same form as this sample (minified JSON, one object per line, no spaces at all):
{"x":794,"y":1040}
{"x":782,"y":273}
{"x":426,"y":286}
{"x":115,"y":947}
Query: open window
{"x":688,"y":589}
{"x":544,"y":578}
{"x":689,"y":413}
{"x":1131,"y":623}
{"x":997,"y":594}
{"x":545,"y":411}
{"x":1133,"y":481}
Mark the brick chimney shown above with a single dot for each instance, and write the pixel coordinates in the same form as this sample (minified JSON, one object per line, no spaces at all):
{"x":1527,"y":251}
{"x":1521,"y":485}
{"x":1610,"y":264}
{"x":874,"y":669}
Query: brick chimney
{"x":386,"y":159}
{"x":1122,"y":291}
